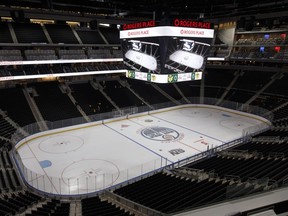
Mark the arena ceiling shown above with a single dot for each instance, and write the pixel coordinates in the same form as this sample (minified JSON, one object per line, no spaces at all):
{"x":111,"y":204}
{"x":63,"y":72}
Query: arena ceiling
{"x":150,"y":8}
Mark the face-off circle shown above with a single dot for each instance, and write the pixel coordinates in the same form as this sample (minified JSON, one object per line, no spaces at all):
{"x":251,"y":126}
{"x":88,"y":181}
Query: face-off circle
{"x":196,"y":113}
{"x":234,"y":124}
{"x":90,"y":173}
{"x":160,"y":133}
{"x":61,"y":144}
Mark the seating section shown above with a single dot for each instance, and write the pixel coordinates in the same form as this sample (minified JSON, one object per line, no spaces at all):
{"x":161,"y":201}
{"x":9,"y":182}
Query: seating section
{"x":264,"y":157}
{"x":280,"y":208}
{"x":269,"y":102}
{"x":4,"y":72}
{"x":276,"y":132}
{"x":90,"y":37}
{"x":30,"y":69}
{"x":261,"y":41}
{"x":147,"y":91}
{"x":275,"y":46}
{"x":170,"y":194}
{"x":257,"y":168}
{"x":94,"y":206}
{"x":13,"y":70}
{"x":170,"y":90}
{"x":10,"y":55}
{"x":5,"y":144}
{"x":29,"y":33}
{"x":219,"y":78}
{"x":279,"y":87}
{"x":122,"y":96}
{"x":261,"y":46}
{"x":9,"y":180}
{"x":90,"y":100}
{"x":5,"y":33}
{"x":53,"y":104}
{"x":282,"y":123}
{"x":22,"y":70}
{"x":72,"y":54}
{"x":282,"y":55}
{"x":52,"y":207}
{"x":255,"y":54}
{"x":13,"y":110}
{"x":238,"y":95}
{"x":117,"y":53}
{"x":40,"y":55}
{"x":190,"y":89}
{"x":281,"y":113}
{"x":212,"y":92}
{"x":242,"y":54}
{"x":61,"y":34}
{"x":17,"y":202}
{"x":111,"y":34}
{"x":250,"y":80}
{"x":266,"y":147}
{"x":216,"y":82}
{"x":99,"y":53}
{"x":6,"y":129}
{"x":13,"y":199}
{"x":219,"y":52}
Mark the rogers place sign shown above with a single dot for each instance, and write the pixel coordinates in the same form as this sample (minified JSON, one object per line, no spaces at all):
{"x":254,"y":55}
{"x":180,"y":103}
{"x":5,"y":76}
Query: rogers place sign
{"x":191,"y":24}
{"x":144,"y":24}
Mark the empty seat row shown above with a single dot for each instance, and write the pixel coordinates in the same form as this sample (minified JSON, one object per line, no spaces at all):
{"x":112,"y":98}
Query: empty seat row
{"x":30,"y":55}
{"x":170,"y":194}
{"x":34,"y":33}
{"x":94,"y":206}
{"x":17,"y":202}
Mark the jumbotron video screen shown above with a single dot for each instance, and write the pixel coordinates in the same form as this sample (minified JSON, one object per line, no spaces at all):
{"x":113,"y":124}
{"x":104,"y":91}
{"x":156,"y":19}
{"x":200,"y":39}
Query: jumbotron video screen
{"x":169,"y":53}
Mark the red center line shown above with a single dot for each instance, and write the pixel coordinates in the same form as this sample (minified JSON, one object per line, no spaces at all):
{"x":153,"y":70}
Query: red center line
{"x":198,"y":140}
{"x":189,"y":146}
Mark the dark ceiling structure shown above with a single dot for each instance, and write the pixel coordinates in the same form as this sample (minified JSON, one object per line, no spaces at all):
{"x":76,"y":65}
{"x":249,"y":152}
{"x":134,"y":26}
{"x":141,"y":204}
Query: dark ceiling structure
{"x":151,"y":9}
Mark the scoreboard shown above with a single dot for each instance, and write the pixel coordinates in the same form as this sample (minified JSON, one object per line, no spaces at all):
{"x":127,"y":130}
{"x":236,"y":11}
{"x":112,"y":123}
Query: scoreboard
{"x":166,"y":53}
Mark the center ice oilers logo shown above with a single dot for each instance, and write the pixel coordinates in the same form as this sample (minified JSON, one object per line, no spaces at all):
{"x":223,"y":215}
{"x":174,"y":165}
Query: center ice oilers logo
{"x":160,"y":134}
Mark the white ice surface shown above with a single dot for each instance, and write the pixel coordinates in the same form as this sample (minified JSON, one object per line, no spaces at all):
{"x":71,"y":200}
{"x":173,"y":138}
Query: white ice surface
{"x":88,"y":159}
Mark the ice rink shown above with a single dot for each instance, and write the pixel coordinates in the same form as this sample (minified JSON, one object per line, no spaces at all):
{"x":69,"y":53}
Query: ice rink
{"x":90,"y":157}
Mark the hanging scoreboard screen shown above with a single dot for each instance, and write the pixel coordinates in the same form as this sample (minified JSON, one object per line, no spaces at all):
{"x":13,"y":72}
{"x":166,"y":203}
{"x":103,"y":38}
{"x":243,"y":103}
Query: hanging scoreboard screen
{"x":164,"y":54}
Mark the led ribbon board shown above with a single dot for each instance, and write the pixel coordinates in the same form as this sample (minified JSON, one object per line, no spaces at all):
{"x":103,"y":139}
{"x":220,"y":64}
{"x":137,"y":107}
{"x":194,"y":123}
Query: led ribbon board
{"x":178,"y":51}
